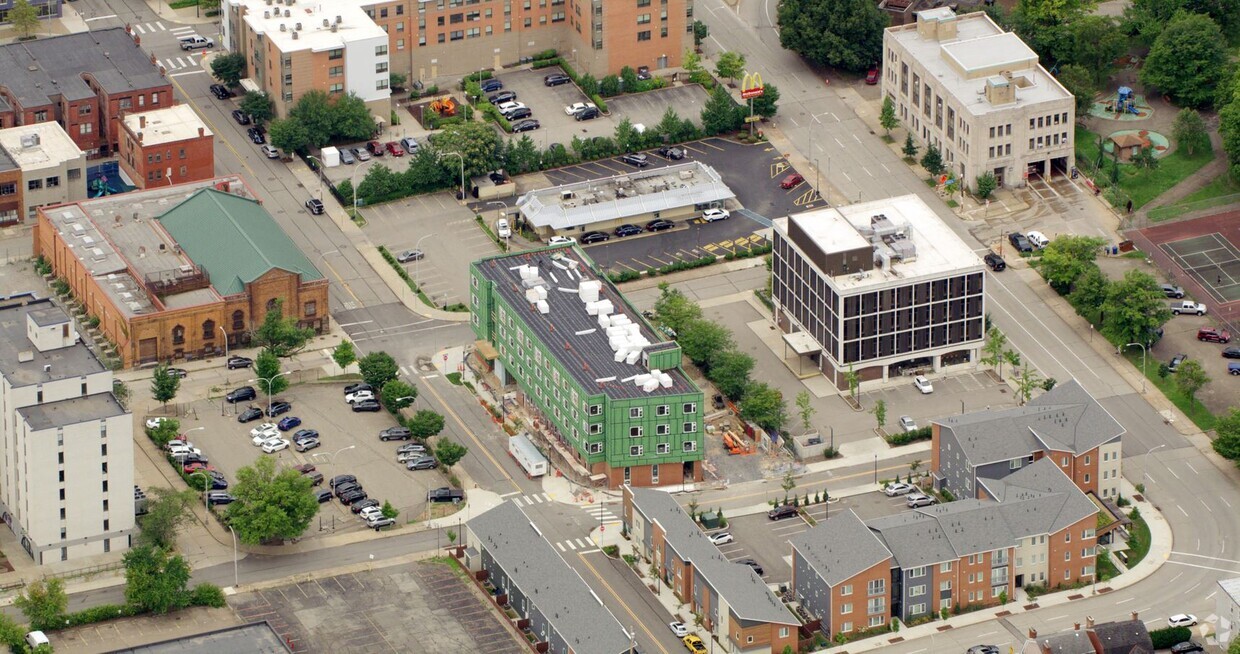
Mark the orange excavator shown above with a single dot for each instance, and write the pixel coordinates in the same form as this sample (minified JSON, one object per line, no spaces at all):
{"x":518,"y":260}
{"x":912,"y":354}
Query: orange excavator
{"x":735,"y":444}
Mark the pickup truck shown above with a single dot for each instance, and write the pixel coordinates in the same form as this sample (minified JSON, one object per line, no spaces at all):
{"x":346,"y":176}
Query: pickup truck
{"x":196,"y":43}
{"x":445,"y":494}
{"x":1188,"y":306}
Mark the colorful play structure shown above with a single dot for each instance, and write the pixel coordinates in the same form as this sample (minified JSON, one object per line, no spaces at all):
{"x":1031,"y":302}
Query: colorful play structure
{"x":1125,"y":102}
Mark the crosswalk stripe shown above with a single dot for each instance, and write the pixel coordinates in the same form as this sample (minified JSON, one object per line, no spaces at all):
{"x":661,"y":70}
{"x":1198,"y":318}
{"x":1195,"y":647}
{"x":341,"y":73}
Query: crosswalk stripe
{"x":561,"y":546}
{"x":169,"y":65}
{"x":160,"y":26}
{"x":180,"y":62}
{"x":138,"y":28}
{"x":150,"y":27}
{"x":538,"y":499}
{"x":404,"y":370}
{"x":572,"y":546}
{"x":590,"y":551}
{"x":582,"y":543}
{"x":180,"y":30}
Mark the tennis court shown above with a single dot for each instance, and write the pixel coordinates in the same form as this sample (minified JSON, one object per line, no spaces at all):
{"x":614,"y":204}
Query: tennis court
{"x":1202,"y":256}
{"x":1210,"y":259}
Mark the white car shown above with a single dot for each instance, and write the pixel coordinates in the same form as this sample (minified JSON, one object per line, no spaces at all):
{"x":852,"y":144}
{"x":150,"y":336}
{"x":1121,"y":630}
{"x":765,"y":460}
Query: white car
{"x":907,"y":424}
{"x":275,"y":445}
{"x":679,"y":628}
{"x":919,"y":499}
{"x":358,"y":396}
{"x":509,"y":107}
{"x":561,"y":240}
{"x":572,"y":109}
{"x":721,"y":538}
{"x":898,"y":488}
{"x":923,"y":385}
{"x":711,"y":215}
{"x":1182,"y":620}
{"x":264,"y":431}
{"x":154,"y":423}
{"x":177,"y":443}
{"x":502,"y":229}
{"x":371,"y":513}
{"x":1037,"y":239}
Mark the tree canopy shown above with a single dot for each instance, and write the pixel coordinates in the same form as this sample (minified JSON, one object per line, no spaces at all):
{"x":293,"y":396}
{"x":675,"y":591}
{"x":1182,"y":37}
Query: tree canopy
{"x":378,"y":368}
{"x":847,"y":34}
{"x":44,"y":603}
{"x":351,"y":119}
{"x":477,"y":143}
{"x":1187,"y":60}
{"x":1066,"y":258}
{"x":424,"y":424}
{"x":764,"y":405}
{"x":1190,"y":131}
{"x":701,"y":339}
{"x":396,"y":395}
{"x":1134,"y":308}
{"x":166,"y":511}
{"x":1227,"y":439}
{"x":267,"y":370}
{"x":228,"y":68}
{"x":344,"y":354}
{"x":730,"y":372}
{"x":673,"y":309}
{"x":449,"y":452}
{"x":721,"y":114}
{"x":258,"y":105}
{"x":270,"y":505}
{"x":281,"y":335}
{"x":164,"y":385}
{"x":288,"y":134}
{"x":155,"y":581}
{"x":314,"y":111}
{"x":24,"y":17}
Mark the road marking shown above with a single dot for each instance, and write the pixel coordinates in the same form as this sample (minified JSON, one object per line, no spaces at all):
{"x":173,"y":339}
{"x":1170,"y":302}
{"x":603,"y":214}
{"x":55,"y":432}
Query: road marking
{"x":841,"y":144}
{"x":863,"y":168}
{"x":1173,"y":473}
{"x":181,"y":30}
{"x":430,"y":376}
{"x":561,"y":546}
{"x":1176,"y":577}
{"x":160,"y":26}
{"x":352,"y":324}
{"x":794,"y":121}
{"x":1203,"y":503}
{"x":1190,"y":588}
{"x":505,"y":495}
{"x":1204,"y":567}
{"x":150,"y":28}
{"x":777,"y":168}
{"x":1182,"y":510}
{"x":1224,"y":500}
{"x":100,"y":18}
{"x":138,"y":28}
{"x":590,"y":551}
{"x":1190,"y":467}
{"x":885,"y":168}
{"x":571,"y":545}
{"x":1126,"y":600}
{"x":188,"y":72}
{"x":1211,"y":594}
{"x":1203,"y":556}
{"x":472,"y":436}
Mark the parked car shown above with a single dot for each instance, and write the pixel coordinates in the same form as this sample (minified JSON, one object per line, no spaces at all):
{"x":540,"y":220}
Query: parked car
{"x":346,"y":487}
{"x":264,"y":431}
{"x":361,"y":153}
{"x":1019,"y":242}
{"x":369,"y":406}
{"x":352,"y":496}
{"x":367,"y":506}
{"x":781,"y":512}
{"x":315,"y":206}
{"x":252,"y":413}
{"x":1176,"y":361}
{"x":445,"y":494}
{"x":395,"y":434}
{"x":194,"y":466}
{"x":305,"y":434}
{"x":235,"y":362}
{"x":1213,"y":335}
{"x":527,"y":125}
{"x":983,"y":649}
{"x":1182,"y":620}
{"x":791,"y":181}
{"x":915,"y":500}
{"x":270,"y":151}
{"x":241,"y":117}
{"x":409,"y":455}
{"x":410,"y":255}
{"x":897,"y":488}
{"x":154,"y":423}
{"x":1037,"y":239}
{"x":221,"y":92}
{"x":871,"y":77}
{"x":922,"y":384}
{"x":358,"y":396}
{"x":721,"y":538}
{"x":556,"y":79}
{"x":694,"y":644}
{"x":757,"y":567}
{"x":395,"y":149}
{"x":589,"y":113}
{"x":380,"y":523}
{"x":411,"y":448}
{"x":519,"y":114}
{"x":241,"y":394}
{"x":1188,"y":306}
{"x":628,"y":230}
{"x":907,"y":424}
{"x":422,"y":463}
{"x":323,"y":495}
{"x":679,"y":628}
{"x":659,"y":224}
{"x":278,"y":408}
{"x":304,"y":468}
{"x":375,"y":148}
{"x":502,"y":97}
{"x":636,"y":159}
{"x":341,"y":479}
{"x":256,"y":135}
{"x":215,"y":498}
{"x":275,"y":445}
{"x":1172,"y":291}
{"x":306,"y":445}
{"x":1185,"y":647}
{"x":561,"y":240}
{"x":346,"y":157}
{"x":671,"y":152}
{"x":1232,"y":352}
{"x":594,"y":237}
{"x":711,"y":215}
{"x":502,"y":228}
{"x":572,"y":109}
{"x":995,"y":262}
{"x":1233,"y":368}
{"x":491,"y":85}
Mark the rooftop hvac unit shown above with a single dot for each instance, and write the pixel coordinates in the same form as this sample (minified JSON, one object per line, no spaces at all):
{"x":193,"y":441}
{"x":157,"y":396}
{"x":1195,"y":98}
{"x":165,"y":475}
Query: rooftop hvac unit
{"x":294,"y":35}
{"x":686,"y":174}
{"x":283,"y":28}
{"x":620,"y":354}
{"x":650,"y":386}
{"x":326,"y":22}
{"x":338,"y":19}
{"x":588,"y":290}
{"x":286,"y":13}
{"x":633,"y":356}
{"x":543,"y":307}
{"x":267,"y":14}
{"x":297,"y":27}
{"x":665,"y":380}
{"x":30,"y":140}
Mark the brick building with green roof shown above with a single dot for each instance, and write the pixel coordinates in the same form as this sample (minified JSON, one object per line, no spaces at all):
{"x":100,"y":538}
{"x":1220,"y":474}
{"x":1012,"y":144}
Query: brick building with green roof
{"x":174,"y":271}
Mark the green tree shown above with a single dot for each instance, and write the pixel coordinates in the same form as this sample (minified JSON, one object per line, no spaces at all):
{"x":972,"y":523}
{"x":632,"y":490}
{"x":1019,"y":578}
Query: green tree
{"x":378,"y":368}
{"x":720,"y":114}
{"x":1089,"y":291}
{"x":389,"y":511}
{"x":1189,"y":378}
{"x":1134,"y":307}
{"x":258,"y":105}
{"x":1026,"y":381}
{"x":789,"y":483}
{"x":609,"y":86}
{"x":847,"y":34}
{"x":344,"y":354}
{"x":805,"y":407}
{"x":14,"y":635}
{"x":267,"y":371}
{"x":887,"y":117}
{"x":1147,"y":18}
{"x":1095,"y":42}
{"x":448,"y":452}
{"x":166,"y":431}
{"x":588,"y":84}
{"x":229,"y":68}
{"x":627,"y":137}
{"x":692,"y":64}
{"x":1227,"y":439}
{"x":880,"y":412}
{"x":24,"y":18}
{"x":43,"y":602}
{"x":1234,"y":648}
{"x":397,"y":80}
{"x":155,"y":582}
{"x":351,"y":118}
{"x":1066,"y":258}
{"x":932,"y":160}
{"x":523,"y":156}
{"x":426,"y":172}
{"x":910,"y":148}
{"x":996,"y":341}
{"x":270,"y":505}
{"x":668,"y":124}
{"x":314,"y":111}
{"x":1012,"y":357}
{"x":729,"y":370}
{"x":764,"y":406}
{"x":730,"y":65}
{"x":629,"y":77}
{"x":396,"y":395}
{"x":1079,"y":81}
{"x":424,"y":424}
{"x":167,"y":510}
{"x":279,"y":334}
{"x":164,"y":385}
{"x":1190,"y":131}
{"x":765,"y":105}
{"x":674,"y":310}
{"x":701,"y":339}
{"x":986,"y":184}
{"x":1187,"y":60}
{"x":478,"y":143}
{"x":700,"y":32}
{"x":288,"y":134}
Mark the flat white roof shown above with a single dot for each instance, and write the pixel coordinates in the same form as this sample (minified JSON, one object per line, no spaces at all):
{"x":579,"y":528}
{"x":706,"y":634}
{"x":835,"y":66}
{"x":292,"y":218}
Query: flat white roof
{"x":939,"y":249}
{"x":979,"y":45}
{"x":314,"y":35}
{"x":52,"y":147}
{"x":168,"y":125}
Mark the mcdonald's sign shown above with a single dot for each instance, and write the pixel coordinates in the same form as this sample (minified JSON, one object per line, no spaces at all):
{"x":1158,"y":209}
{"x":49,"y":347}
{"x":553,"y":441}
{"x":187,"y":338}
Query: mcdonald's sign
{"x":751,"y":86}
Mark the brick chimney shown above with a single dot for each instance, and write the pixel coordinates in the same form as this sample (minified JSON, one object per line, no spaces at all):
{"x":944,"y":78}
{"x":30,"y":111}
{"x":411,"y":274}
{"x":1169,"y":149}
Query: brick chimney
{"x":200,"y":132}
{"x":1134,"y":616}
{"x":141,"y":121}
{"x":1076,"y":626}
{"x":1033,"y":633}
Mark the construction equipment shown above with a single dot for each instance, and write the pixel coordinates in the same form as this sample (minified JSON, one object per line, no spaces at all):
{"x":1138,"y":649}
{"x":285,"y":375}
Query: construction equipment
{"x":736,"y":444}
{"x":445,"y":106}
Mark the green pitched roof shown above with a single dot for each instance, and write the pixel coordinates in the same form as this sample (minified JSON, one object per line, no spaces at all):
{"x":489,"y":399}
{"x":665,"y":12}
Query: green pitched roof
{"x":234,"y":239}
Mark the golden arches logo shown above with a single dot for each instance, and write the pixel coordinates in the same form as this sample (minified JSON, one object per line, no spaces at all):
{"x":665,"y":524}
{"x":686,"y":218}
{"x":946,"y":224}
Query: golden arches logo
{"x":751,"y":85}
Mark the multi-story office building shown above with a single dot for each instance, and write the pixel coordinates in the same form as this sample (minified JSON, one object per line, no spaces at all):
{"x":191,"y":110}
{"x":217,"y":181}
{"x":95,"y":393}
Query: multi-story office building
{"x":53,"y":169}
{"x":1065,"y":425}
{"x":978,"y":94}
{"x":293,"y":47}
{"x":608,"y":386}
{"x":66,"y":444}
{"x":167,"y":146}
{"x":84,"y":81}
{"x":884,"y":288}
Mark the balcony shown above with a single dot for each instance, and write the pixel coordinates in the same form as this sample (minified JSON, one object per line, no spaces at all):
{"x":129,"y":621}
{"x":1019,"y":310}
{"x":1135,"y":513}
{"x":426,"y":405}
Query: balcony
{"x":178,"y":280}
{"x":999,"y":560}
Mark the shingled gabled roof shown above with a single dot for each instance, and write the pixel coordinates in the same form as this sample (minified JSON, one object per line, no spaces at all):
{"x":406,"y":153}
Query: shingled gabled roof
{"x":840,"y":547}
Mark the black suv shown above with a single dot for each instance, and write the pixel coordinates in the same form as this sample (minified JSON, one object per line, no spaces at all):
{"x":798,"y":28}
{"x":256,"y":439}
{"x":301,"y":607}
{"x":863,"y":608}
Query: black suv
{"x":239,"y":362}
{"x":370,"y":406}
{"x":525,"y":125}
{"x":360,"y":386}
{"x":589,"y":113}
{"x":995,"y":261}
{"x":347,"y":487}
{"x":502,"y":97}
{"x":518,"y":114}
{"x":1019,"y":242}
{"x":249,"y":415}
{"x":395,"y":434}
{"x":341,"y":479}
{"x":659,"y":225}
{"x":445,"y":494}
{"x":221,"y":92}
{"x":278,"y":408}
{"x":757,"y":567}
{"x":636,"y":159}
{"x":241,"y":395}
{"x":628,"y":230}
{"x":781,"y":512}
{"x":556,"y":80}
{"x":594,"y":237}
{"x":355,"y":495}
{"x":672,"y":152}
{"x":241,"y":117}
{"x":256,"y":135}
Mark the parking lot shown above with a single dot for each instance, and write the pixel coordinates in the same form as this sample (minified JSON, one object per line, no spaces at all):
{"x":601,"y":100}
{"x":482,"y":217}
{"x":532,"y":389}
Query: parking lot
{"x":1180,"y":337}
{"x":350,"y":445}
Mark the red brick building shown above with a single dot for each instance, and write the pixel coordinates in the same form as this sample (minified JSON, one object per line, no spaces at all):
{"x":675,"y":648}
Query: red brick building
{"x":166,"y":146}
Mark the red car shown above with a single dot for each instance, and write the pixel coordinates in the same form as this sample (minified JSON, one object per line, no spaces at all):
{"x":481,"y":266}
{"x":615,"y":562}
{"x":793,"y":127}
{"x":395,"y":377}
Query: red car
{"x":395,"y":149}
{"x":375,"y":148}
{"x":792,"y":181}
{"x":194,"y":467}
{"x":1213,"y":335}
{"x":871,"y":77}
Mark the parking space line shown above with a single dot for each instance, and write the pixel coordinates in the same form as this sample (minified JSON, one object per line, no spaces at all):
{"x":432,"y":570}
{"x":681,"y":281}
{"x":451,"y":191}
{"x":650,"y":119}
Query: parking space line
{"x":711,"y":145}
{"x":617,"y":171}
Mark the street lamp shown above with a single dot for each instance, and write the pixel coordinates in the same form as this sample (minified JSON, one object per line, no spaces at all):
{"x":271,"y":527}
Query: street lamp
{"x":221,"y":328}
{"x":331,"y":458}
{"x":269,"y":381}
{"x":236,"y":579}
{"x":1143,"y":350}
{"x":458,"y":156}
{"x":417,"y":264}
{"x":320,"y":172}
{"x":1145,"y":467}
{"x":206,"y":487}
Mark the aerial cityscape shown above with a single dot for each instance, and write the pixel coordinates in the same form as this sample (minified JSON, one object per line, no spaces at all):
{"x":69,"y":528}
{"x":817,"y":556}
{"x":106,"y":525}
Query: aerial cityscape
{"x":619,"y":327}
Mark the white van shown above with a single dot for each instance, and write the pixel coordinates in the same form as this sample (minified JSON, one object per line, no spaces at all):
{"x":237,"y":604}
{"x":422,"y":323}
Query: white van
{"x":37,"y":638}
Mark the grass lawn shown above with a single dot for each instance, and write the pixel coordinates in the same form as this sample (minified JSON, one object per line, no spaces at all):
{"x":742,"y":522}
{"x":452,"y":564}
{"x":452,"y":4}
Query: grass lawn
{"x":1106,"y":567}
{"x":1139,"y":184}
{"x":1196,"y":411}
{"x":1220,"y":191}
{"x":1139,"y":541}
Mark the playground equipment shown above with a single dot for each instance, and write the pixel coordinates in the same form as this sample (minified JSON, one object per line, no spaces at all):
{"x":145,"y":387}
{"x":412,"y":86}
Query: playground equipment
{"x":445,"y":106}
{"x":1125,"y":102}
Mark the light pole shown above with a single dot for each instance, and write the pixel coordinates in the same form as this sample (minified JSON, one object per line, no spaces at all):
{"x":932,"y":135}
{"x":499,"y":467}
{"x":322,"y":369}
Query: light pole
{"x":221,"y":328}
{"x":1145,"y":467}
{"x":458,"y":156}
{"x":320,"y":172}
{"x":353,"y":183}
{"x":331,"y":458}
{"x":269,"y":381}
{"x":417,"y":264}
{"x":1143,"y":351}
{"x":817,"y":181}
{"x":206,"y":487}
{"x":236,"y":579}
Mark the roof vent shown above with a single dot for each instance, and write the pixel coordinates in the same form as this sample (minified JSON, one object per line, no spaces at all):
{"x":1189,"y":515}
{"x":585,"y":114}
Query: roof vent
{"x":30,"y":140}
{"x":297,"y":27}
{"x":283,"y":28}
{"x":294,"y":35}
{"x":338,"y":20}
{"x":327,"y":22}
{"x":267,"y":14}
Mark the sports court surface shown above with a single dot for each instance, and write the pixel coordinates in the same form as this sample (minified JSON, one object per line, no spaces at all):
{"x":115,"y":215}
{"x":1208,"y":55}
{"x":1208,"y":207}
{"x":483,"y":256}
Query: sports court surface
{"x":1202,"y":256}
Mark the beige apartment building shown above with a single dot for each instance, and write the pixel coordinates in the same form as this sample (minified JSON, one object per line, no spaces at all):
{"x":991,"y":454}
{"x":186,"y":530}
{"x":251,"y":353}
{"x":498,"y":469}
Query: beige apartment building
{"x":292,"y":47}
{"x":980,"y":96}
{"x":53,"y":168}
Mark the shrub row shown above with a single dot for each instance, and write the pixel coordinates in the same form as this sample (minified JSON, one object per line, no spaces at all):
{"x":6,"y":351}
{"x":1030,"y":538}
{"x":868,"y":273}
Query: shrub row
{"x":404,"y":274}
{"x":492,"y":113}
{"x":208,"y":595}
{"x":621,"y":276}
{"x":904,"y":438}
